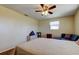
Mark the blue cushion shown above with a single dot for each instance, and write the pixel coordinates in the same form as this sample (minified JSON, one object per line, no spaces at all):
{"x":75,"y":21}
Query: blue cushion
{"x":74,"y":37}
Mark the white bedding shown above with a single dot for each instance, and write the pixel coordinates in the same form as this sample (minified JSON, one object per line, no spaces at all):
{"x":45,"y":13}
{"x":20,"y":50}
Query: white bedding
{"x":43,"y":46}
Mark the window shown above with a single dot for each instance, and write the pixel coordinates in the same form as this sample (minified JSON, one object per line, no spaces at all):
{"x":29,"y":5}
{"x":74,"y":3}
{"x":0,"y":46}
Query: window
{"x":54,"y":25}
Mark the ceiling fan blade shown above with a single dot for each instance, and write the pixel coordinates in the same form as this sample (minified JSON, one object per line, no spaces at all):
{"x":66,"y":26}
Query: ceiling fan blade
{"x":50,"y":12}
{"x":52,"y":7}
{"x":42,"y":5}
{"x":38,"y":11}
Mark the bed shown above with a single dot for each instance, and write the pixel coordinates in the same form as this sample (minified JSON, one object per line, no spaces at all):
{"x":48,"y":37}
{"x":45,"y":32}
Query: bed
{"x":45,"y":46}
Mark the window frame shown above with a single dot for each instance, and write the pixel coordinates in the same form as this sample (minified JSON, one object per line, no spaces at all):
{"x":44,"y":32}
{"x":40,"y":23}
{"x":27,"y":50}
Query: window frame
{"x":58,"y":25}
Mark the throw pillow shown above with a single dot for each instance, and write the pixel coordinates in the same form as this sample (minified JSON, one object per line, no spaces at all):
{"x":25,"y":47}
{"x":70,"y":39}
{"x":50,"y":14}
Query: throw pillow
{"x":67,"y":36}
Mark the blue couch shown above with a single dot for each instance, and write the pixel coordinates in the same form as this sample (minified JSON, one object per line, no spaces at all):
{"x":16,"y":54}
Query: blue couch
{"x":71,"y":37}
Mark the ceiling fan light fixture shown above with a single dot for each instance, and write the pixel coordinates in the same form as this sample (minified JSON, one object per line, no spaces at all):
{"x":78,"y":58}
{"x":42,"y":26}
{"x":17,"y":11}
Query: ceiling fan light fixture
{"x":46,"y":9}
{"x":45,"y":12}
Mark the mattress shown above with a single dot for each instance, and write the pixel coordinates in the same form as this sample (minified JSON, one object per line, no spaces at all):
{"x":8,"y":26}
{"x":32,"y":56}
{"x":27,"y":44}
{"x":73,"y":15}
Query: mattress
{"x":44,"y":46}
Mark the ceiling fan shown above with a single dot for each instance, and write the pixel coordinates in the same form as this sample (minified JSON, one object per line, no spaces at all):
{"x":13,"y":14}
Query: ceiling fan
{"x":45,"y":9}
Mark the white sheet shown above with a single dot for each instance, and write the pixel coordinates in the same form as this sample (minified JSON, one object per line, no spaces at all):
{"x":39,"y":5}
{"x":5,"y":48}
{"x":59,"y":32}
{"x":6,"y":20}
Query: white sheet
{"x":43,"y":46}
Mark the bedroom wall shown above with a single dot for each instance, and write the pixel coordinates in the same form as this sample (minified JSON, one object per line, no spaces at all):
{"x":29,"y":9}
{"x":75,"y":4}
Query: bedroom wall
{"x":66,"y":26}
{"x":14,"y":28}
{"x":77,"y":22}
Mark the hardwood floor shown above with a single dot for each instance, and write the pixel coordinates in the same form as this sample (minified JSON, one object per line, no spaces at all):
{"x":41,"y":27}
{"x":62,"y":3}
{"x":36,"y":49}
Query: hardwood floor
{"x":9,"y":52}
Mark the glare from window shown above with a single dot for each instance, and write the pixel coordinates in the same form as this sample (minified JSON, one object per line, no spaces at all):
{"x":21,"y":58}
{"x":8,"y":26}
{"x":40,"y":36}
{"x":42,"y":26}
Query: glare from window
{"x":54,"y":25}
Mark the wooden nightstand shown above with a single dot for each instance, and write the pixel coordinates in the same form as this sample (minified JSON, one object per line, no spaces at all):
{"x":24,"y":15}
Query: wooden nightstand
{"x":49,"y":35}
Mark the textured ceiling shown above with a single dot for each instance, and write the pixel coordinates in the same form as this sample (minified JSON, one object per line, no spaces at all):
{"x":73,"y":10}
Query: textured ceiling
{"x":61,"y":10}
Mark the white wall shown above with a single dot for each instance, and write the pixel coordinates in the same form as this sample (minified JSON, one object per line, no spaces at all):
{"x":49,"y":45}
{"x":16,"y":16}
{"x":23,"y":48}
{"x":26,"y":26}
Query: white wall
{"x":66,"y":26}
{"x":77,"y":22}
{"x":14,"y":28}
